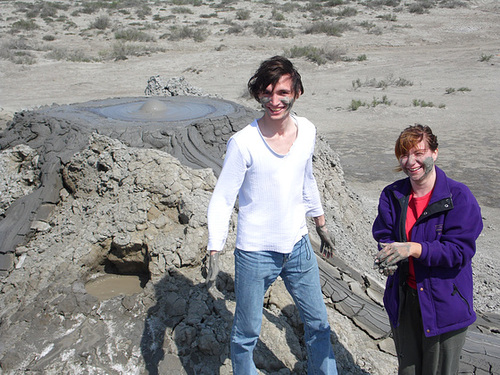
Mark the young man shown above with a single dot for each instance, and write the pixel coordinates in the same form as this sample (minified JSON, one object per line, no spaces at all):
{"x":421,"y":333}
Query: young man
{"x":268,"y":165}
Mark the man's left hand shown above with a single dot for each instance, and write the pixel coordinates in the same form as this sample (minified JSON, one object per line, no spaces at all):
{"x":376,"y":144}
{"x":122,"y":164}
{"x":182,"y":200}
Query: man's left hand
{"x":327,"y":242}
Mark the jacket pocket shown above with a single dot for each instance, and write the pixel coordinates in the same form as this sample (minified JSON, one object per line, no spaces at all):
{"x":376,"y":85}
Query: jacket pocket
{"x":455,"y":292}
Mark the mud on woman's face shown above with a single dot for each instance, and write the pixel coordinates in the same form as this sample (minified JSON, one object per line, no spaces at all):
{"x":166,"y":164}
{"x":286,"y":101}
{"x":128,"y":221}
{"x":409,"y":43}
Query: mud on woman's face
{"x":419,"y":162}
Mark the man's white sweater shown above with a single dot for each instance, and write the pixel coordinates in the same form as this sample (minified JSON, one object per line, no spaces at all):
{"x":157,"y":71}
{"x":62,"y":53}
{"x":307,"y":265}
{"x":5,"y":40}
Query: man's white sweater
{"x":276,"y":192}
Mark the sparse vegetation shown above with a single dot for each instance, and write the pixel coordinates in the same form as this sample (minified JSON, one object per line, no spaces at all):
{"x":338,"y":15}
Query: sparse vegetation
{"x":314,"y":54}
{"x":421,"y":6}
{"x":423,"y":103}
{"x":186,"y":32}
{"x":263,"y":29}
{"x":133,"y":35}
{"x":453,"y":4}
{"x":69,"y":55}
{"x":26,"y":25}
{"x":382,"y":84}
{"x":130,"y":21}
{"x":182,"y":10}
{"x":356,"y":103}
{"x":485,"y":58}
{"x":101,"y":23}
{"x":331,"y":28}
{"x":17,"y":51}
{"x":243,"y":14}
{"x":277,"y":16}
{"x":388,"y":17}
{"x":347,"y":12}
{"x":121,"y":50}
{"x":451,"y":90}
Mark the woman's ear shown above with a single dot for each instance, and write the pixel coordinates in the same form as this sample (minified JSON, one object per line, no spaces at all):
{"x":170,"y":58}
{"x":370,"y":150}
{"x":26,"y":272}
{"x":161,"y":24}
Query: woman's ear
{"x":435,"y":154}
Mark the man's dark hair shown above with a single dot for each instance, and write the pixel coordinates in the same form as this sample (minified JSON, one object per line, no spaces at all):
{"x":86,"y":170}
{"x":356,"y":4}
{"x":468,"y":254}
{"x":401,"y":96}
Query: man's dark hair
{"x":270,"y":72}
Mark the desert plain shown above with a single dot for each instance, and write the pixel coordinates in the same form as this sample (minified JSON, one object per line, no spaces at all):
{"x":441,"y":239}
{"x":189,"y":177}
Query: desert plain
{"x":370,"y":68}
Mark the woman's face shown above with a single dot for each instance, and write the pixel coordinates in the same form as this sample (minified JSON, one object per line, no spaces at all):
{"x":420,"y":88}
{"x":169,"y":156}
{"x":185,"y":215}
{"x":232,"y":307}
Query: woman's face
{"x":419,"y":162}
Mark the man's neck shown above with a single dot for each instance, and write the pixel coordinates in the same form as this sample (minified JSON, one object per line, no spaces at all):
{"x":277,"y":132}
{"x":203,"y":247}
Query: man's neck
{"x":270,"y":127}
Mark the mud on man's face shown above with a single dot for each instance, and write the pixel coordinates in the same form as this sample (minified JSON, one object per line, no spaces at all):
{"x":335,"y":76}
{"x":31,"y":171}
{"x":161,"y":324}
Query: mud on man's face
{"x":278,"y":101}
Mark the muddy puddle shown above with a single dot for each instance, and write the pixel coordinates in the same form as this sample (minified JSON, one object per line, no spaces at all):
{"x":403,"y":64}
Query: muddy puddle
{"x":109,"y":286}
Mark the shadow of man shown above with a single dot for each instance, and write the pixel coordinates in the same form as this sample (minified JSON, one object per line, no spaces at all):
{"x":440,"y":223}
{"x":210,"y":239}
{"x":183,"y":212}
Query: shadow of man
{"x":187,"y":331}
{"x":183,"y":332}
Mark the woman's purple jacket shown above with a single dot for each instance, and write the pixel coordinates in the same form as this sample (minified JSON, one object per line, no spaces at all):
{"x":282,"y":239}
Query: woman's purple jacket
{"x":447,"y":231}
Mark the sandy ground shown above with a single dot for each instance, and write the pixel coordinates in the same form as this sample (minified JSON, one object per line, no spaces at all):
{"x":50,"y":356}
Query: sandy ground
{"x":450,"y":56}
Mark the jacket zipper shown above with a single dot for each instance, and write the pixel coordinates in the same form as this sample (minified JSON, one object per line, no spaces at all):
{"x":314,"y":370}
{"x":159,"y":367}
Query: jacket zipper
{"x":455,"y":291}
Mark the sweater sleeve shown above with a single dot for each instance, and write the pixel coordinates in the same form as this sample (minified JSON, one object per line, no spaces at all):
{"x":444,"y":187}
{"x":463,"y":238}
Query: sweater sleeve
{"x":383,"y":229}
{"x":224,"y":196}
{"x":311,"y":195}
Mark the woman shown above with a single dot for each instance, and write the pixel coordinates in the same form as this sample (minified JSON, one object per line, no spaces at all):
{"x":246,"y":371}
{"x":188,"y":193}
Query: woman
{"x":426,"y":228}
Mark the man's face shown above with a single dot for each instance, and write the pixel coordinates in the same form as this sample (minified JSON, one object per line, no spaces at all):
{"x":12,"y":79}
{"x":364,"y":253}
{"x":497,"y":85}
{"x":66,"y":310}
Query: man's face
{"x":277,"y":101}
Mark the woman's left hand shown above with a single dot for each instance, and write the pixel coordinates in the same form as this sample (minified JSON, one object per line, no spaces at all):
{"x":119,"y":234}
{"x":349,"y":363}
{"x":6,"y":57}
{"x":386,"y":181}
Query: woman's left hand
{"x":392,"y":253}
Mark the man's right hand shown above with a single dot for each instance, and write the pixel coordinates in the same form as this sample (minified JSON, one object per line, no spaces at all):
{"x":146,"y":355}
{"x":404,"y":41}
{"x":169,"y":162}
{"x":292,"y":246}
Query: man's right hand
{"x":213,"y":267}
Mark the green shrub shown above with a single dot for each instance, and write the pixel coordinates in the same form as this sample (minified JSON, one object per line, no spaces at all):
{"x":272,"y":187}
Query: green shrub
{"x":388,"y":17}
{"x":263,"y":29}
{"x":185,"y":32}
{"x":133,"y":35}
{"x":451,"y":90}
{"x":355,"y":104}
{"x":187,"y":2}
{"x":277,"y":16}
{"x":49,"y":38}
{"x":385,"y":101}
{"x":453,"y":4}
{"x":317,"y":55}
{"x":69,"y":55}
{"x":143,"y":12}
{"x":422,"y":103}
{"x":380,"y":3}
{"x":182,"y":10}
{"x":421,"y":6}
{"x":485,"y":58}
{"x":101,"y":23}
{"x":382,"y":84}
{"x":243,"y":14}
{"x":331,"y":28}
{"x":121,"y":50}
{"x":367,"y":25}
{"x":17,"y":51}
{"x":347,"y":12}
{"x":27,"y":25}
{"x":235,"y":29}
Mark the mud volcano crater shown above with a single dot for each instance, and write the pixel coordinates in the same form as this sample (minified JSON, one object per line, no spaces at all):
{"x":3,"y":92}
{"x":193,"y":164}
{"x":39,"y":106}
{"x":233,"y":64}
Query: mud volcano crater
{"x":194,"y":129}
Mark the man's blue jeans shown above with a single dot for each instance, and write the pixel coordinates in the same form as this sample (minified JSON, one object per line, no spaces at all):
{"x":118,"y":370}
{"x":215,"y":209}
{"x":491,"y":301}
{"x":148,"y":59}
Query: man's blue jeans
{"x":255,"y":271}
